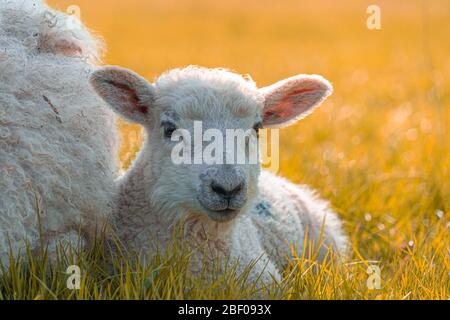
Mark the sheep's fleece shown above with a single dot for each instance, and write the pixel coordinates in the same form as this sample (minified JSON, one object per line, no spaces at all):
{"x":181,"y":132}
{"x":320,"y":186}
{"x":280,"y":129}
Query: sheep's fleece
{"x":57,"y":140}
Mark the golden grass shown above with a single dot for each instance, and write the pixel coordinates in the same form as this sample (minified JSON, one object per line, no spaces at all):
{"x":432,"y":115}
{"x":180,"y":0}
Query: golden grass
{"x":378,"y":149}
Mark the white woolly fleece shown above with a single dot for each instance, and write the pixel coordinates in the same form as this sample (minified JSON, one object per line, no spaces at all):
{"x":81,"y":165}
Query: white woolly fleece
{"x":57,"y":140}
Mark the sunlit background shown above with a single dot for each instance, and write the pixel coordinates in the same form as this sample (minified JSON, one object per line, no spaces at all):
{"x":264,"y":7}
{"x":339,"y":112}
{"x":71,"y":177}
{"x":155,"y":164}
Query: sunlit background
{"x":378,"y":149}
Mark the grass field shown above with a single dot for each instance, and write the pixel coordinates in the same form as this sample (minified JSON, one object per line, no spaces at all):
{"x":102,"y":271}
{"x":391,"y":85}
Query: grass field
{"x":378,"y":149}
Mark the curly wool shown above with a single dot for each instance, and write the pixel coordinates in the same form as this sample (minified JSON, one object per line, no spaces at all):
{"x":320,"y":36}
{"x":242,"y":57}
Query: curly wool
{"x":57,"y":140}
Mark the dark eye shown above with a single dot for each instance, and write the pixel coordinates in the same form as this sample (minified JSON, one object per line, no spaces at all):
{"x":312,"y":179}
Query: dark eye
{"x":256,"y":127}
{"x":168,"y":128}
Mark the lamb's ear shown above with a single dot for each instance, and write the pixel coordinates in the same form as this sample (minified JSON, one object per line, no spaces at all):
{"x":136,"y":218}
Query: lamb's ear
{"x":294,"y":98}
{"x":126,"y":92}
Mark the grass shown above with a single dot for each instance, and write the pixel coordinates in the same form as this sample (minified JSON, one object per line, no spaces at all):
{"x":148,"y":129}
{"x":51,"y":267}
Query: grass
{"x":377,"y":149}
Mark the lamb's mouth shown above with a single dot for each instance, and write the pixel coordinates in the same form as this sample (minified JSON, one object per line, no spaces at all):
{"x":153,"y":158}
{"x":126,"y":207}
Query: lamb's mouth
{"x":222,"y":215}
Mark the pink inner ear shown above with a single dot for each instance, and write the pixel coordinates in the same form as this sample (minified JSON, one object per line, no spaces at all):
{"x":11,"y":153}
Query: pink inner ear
{"x":290,"y":105}
{"x":299,"y":91}
{"x":129,"y":97}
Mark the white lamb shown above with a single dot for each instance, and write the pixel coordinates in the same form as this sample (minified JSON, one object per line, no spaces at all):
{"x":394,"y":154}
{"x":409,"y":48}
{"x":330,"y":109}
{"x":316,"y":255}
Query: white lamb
{"x":223,"y":204}
{"x":57,"y":142}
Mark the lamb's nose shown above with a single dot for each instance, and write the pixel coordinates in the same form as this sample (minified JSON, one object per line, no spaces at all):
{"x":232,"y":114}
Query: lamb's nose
{"x":226,"y":193}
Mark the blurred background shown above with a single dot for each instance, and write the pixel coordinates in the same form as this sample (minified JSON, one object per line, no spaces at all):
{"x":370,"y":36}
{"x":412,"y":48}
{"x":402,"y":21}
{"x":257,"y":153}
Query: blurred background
{"x":378,"y":149}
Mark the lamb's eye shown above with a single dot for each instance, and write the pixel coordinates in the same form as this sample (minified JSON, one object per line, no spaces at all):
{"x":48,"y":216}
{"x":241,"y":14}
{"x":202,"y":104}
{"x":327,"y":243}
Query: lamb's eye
{"x":169,"y":129}
{"x":256,"y":127}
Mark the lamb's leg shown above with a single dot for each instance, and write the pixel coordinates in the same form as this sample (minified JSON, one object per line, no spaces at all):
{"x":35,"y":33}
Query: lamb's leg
{"x":249,"y":250}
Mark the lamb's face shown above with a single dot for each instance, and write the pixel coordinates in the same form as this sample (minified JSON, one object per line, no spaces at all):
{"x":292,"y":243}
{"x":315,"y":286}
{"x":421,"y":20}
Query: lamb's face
{"x":203,"y":126}
{"x":205,"y":142}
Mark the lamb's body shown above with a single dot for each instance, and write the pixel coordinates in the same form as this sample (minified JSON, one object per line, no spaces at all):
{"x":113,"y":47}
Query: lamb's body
{"x":57,"y":142}
{"x":286,"y":215}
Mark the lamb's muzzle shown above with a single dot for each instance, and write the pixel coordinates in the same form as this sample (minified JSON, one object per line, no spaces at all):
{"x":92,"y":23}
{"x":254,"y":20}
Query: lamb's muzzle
{"x":223,"y":192}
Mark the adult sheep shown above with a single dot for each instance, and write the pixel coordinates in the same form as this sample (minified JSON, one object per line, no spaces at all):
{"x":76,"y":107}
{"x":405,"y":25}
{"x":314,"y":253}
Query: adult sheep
{"x":224,"y":204}
{"x":57,"y":142}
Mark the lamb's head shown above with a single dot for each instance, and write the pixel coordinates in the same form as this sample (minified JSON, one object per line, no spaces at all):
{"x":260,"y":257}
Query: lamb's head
{"x":191,"y":115}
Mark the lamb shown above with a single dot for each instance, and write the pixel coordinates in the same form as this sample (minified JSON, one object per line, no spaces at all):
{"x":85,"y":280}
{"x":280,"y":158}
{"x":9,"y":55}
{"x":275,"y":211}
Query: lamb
{"x":57,"y":142}
{"x":243,"y":215}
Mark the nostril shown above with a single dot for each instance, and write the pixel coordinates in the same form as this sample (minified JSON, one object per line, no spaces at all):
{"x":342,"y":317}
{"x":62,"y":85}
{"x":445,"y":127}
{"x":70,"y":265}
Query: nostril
{"x":237,"y":189}
{"x":219,"y":190}
{"x":227,"y":194}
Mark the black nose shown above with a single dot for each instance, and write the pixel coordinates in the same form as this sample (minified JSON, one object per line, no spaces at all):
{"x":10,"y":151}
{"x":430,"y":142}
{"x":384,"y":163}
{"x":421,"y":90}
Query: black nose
{"x":223,"y":192}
